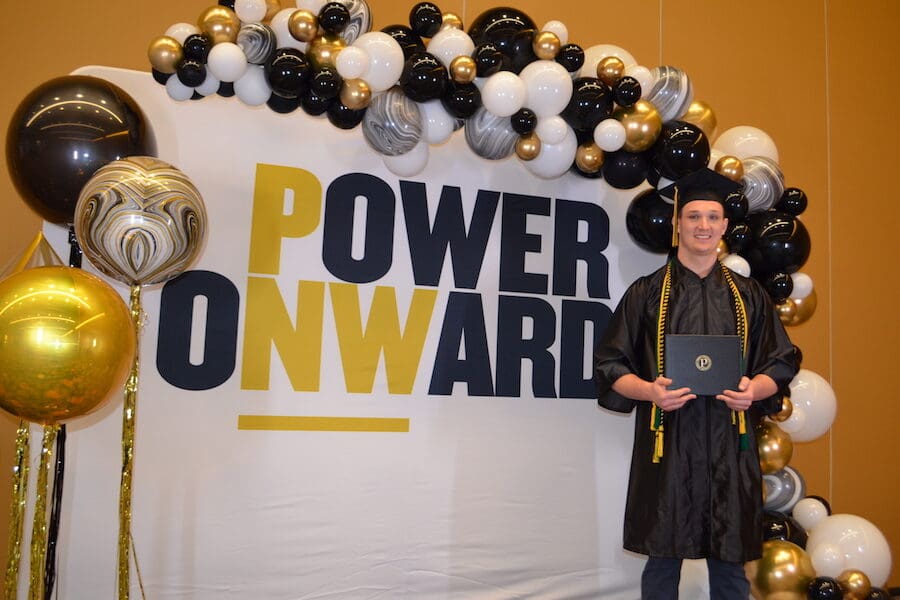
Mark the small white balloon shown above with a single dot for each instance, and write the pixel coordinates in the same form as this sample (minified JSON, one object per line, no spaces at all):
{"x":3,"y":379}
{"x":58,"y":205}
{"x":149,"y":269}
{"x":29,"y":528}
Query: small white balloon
{"x":313,"y":6}
{"x":226,"y":61}
{"x":252,"y":88}
{"x":744,"y":141}
{"x":449,"y":43}
{"x":594,"y":54}
{"x":809,"y":512}
{"x":551,"y":130}
{"x":846,"y":541}
{"x":503,"y":94}
{"x":554,"y":159}
{"x":283,"y":37}
{"x":385,"y":60}
{"x":737,"y":263}
{"x":177,"y":90}
{"x":714,"y":156}
{"x":437,"y":124}
{"x":643,"y":75}
{"x":209,"y":86}
{"x":609,"y":135}
{"x":351,"y":62}
{"x":803,"y":285}
{"x":180,"y":31}
{"x":559,"y":29}
{"x":548,"y":87}
{"x":814,"y":405}
{"x":250,"y":11}
{"x":410,"y":164}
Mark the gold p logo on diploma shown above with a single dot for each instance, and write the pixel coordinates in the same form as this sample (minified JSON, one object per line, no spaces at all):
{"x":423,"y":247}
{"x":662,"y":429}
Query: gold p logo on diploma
{"x":703,"y":362}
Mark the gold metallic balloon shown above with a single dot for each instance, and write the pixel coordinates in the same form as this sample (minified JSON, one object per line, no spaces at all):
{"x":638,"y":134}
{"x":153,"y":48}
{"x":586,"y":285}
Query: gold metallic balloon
{"x":165,"y":53}
{"x":272,"y":8}
{"x":855,"y":584}
{"x":528,"y":146}
{"x":589,"y":158}
{"x":463,"y":69}
{"x":323,"y":50}
{"x":787,"y":409}
{"x":803,"y":309}
{"x":546,"y":45}
{"x":731,"y":167}
{"x":784,"y":572}
{"x":642,"y":124}
{"x":451,"y":20}
{"x":610,"y":70}
{"x":355,"y":94}
{"x":786,"y":310}
{"x":700,"y":113}
{"x":66,"y":343}
{"x":775,"y":447}
{"x":303,"y":25}
{"x":722,"y":249}
{"x":219,"y":23}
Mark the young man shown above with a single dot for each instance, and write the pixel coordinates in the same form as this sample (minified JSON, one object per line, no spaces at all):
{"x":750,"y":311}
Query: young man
{"x":695,"y":484}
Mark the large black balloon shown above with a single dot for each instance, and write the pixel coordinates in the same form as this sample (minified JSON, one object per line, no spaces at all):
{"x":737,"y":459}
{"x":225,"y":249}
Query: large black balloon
{"x":408,"y":39}
{"x":591,"y":102}
{"x":571,"y":56}
{"x":649,"y":221}
{"x":287,"y":72}
{"x":520,"y":50}
{"x":425,"y":19}
{"x":780,"y":243}
{"x":779,"y":526}
{"x":423,"y":78}
{"x":461,"y":100}
{"x":62,"y":132}
{"x":824,"y":588}
{"x":488,"y":60}
{"x":624,"y":170}
{"x":681,"y":148}
{"x":499,"y":26}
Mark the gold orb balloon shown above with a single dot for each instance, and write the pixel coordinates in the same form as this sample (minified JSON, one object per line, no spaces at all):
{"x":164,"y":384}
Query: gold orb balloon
{"x":610,"y":70}
{"x":303,"y":25}
{"x":784,"y":572}
{"x":546,"y":45}
{"x":730,"y":167}
{"x":355,"y":94}
{"x":528,"y":146}
{"x":463,"y":69}
{"x":589,"y":158}
{"x":451,"y":20}
{"x":219,"y":23}
{"x":66,"y":343}
{"x":803,"y":309}
{"x":722,"y":249}
{"x":323,"y":50}
{"x":165,"y":53}
{"x":787,"y":409}
{"x":642,"y":124}
{"x":786,"y":310}
{"x":855,"y":584}
{"x":775,"y":447}
{"x":701,"y":114}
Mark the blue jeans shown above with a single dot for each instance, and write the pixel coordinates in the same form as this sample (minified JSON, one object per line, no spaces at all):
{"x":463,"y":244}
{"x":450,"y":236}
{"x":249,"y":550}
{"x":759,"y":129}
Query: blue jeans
{"x":727,"y":581}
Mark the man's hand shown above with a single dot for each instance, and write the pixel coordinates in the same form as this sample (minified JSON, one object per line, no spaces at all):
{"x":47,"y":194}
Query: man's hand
{"x":667,"y":399}
{"x":741,"y":399}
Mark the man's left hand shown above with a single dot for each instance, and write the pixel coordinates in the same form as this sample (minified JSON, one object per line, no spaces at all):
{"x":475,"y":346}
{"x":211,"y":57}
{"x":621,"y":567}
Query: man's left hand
{"x":741,"y":399}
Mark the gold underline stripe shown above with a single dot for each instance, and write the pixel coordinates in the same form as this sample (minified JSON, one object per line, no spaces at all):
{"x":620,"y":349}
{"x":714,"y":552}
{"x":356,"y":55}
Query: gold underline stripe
{"x":283,"y":423}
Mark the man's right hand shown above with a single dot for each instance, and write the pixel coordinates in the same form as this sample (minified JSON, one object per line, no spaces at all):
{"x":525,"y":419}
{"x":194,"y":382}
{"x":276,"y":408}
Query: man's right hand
{"x":668,"y":400}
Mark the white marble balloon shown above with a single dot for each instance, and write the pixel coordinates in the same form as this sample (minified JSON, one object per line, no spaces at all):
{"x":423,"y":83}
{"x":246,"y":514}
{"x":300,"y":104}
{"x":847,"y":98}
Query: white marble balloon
{"x":392,"y":124}
{"x":490,"y":136}
{"x":763,"y":183}
{"x":257,"y":42}
{"x":360,"y":20}
{"x":671,"y":92}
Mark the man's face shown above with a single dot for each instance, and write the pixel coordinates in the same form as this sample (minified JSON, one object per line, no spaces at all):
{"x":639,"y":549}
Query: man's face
{"x":700,"y":227}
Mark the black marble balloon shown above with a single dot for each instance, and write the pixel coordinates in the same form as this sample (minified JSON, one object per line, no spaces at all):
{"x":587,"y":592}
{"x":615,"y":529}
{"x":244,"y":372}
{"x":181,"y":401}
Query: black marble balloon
{"x":591,"y":102}
{"x":824,"y":588}
{"x":681,"y":148}
{"x":333,"y":17}
{"x":343,"y":117}
{"x":409,"y":40}
{"x":425,"y":19}
{"x":649,"y":221}
{"x":793,"y":201}
{"x":627,"y":91}
{"x":523,"y":121}
{"x":499,"y":26}
{"x":571,"y":56}
{"x":196,"y":47}
{"x":780,"y":243}
{"x":461,"y":100}
{"x":287,"y":72}
{"x":624,"y":170}
{"x":424,"y":77}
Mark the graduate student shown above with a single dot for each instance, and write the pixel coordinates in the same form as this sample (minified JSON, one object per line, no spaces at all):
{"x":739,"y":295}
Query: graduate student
{"x":695,"y":487}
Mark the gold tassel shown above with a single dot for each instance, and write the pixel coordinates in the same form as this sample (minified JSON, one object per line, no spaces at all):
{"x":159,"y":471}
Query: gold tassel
{"x":658,"y":447}
{"x":39,"y":525}
{"x":17,"y":511}
{"x":675,"y":220}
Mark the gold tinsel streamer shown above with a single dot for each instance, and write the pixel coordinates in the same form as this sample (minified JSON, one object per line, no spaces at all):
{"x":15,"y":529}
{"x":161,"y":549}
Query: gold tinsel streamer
{"x":39,"y":526}
{"x":128,"y":416}
{"x":17,"y":512}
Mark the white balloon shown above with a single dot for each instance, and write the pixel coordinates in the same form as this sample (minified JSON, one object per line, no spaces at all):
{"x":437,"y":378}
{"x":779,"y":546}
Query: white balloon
{"x":643,"y":75}
{"x":559,"y":29}
{"x":209,"y":86}
{"x":845,"y":541}
{"x":744,"y":141}
{"x":503,"y":94}
{"x":609,"y":135}
{"x":554,"y":159}
{"x":283,"y":37}
{"x":385,"y":60}
{"x":437,"y":124}
{"x":737,"y":263}
{"x":252,"y":88}
{"x":814,"y":407}
{"x":250,"y":11}
{"x":803,"y":285}
{"x":594,"y":54}
{"x":313,"y":6}
{"x":226,"y":61}
{"x":180,"y":31}
{"x":548,"y":87}
{"x":177,"y":90}
{"x":351,"y":62}
{"x":714,"y":156}
{"x":809,"y":512}
{"x":551,"y":130}
{"x":409,"y":164}
{"x":449,"y":43}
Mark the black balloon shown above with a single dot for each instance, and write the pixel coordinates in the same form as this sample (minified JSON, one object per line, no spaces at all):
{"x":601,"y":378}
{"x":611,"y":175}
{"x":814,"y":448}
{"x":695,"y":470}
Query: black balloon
{"x":624,"y":170}
{"x":461,"y":100}
{"x":520,"y":50}
{"x":196,"y":47}
{"x":283,"y":105}
{"x":591,"y":103}
{"x":523,"y":121}
{"x":226,"y":89}
{"x":314,"y":104}
{"x":488,"y":59}
{"x":736,"y":207}
{"x":738,"y":236}
{"x":779,"y":526}
{"x":191,"y":72}
{"x":287,"y":72}
{"x":877,"y":593}
{"x":793,"y":201}
{"x":160,"y":77}
{"x":824,"y":588}
{"x":627,"y":91}
{"x":333,"y":17}
{"x":649,"y":221}
{"x":62,"y":132}
{"x":425,"y":19}
{"x":780,"y":243}
{"x":779,"y":286}
{"x":571,"y":56}
{"x":423,"y":78}
{"x":408,"y":39}
{"x":227,"y":3}
{"x":681,"y":148}
{"x":344,"y":117}
{"x":499,"y":26}
{"x":197,"y":96}
{"x":326,"y":82}
{"x":798,"y":357}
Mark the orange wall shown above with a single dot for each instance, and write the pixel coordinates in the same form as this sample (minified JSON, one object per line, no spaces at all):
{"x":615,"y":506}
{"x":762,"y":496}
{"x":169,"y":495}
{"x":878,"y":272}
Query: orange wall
{"x":818,"y":77}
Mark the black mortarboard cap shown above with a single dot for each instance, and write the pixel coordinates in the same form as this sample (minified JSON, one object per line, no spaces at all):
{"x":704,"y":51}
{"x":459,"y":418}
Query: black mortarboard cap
{"x":704,"y":184}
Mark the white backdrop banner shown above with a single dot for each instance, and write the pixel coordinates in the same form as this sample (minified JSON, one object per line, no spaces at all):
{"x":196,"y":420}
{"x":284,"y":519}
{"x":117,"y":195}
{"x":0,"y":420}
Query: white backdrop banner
{"x":368,"y":386}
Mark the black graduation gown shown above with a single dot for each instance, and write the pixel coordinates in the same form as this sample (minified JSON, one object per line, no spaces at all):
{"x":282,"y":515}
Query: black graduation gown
{"x":704,"y":499}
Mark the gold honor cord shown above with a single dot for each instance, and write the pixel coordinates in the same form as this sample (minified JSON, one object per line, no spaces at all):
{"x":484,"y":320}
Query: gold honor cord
{"x":740,"y":312}
{"x":128,"y":417}
{"x":39,"y":525}
{"x":17,"y":512}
